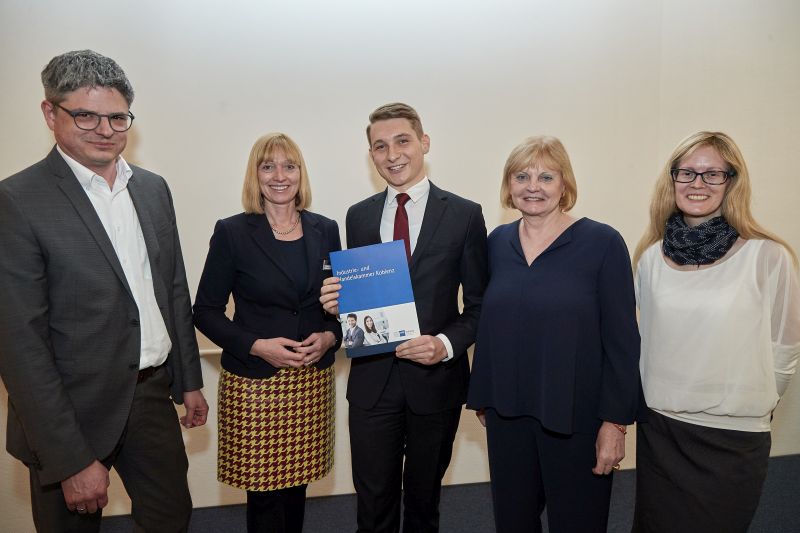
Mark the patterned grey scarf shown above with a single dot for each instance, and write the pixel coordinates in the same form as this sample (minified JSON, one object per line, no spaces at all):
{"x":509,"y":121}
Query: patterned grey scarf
{"x":698,"y":245}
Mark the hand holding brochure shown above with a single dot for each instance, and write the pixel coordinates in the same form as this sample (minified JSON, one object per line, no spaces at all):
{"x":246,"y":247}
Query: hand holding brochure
{"x":376,"y":302}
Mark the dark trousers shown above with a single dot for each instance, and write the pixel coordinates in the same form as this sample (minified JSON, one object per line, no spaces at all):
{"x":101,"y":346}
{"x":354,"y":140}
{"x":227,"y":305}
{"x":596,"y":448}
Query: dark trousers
{"x":692,"y":478}
{"x":532,"y":467}
{"x":380,"y":439}
{"x":276,"y":511}
{"x":149,"y":458}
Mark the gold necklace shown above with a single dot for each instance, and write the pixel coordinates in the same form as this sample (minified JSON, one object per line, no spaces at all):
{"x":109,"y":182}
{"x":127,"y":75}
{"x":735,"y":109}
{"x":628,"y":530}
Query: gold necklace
{"x":288,"y":231}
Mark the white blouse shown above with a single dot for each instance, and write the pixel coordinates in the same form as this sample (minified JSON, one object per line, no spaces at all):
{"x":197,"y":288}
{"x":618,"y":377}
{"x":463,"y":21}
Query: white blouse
{"x":720,"y":344}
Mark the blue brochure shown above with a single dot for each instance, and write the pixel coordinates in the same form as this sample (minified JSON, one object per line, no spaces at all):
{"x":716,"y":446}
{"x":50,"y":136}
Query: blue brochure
{"x":376,"y":303}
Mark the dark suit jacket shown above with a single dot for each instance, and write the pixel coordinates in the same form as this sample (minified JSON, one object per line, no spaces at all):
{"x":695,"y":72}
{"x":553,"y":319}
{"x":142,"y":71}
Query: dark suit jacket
{"x":356,"y":339}
{"x":450,"y":253}
{"x":69,"y":326}
{"x":244,"y":260}
{"x":558,"y":340}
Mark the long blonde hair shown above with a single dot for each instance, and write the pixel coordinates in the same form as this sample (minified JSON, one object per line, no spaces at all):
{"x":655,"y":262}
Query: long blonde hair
{"x":735,"y":203}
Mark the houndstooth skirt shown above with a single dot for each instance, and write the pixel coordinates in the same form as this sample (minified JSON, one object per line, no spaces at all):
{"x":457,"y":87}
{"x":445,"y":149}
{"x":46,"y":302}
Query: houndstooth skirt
{"x":277,"y":432}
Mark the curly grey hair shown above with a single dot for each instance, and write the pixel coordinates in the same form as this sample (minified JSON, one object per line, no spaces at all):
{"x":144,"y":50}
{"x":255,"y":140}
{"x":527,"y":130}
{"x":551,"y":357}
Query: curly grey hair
{"x":83,"y":68}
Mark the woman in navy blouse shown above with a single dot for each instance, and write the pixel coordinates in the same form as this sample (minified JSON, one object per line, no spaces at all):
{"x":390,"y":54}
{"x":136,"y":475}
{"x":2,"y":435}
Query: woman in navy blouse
{"x":555,"y":377}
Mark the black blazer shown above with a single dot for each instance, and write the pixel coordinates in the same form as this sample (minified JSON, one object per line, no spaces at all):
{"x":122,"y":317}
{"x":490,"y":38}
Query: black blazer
{"x":244,"y":260}
{"x":450,"y":253}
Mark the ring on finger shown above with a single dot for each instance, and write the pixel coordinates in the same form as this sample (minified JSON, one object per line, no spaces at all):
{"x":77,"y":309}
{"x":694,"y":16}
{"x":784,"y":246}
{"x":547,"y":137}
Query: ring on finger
{"x":615,"y":467}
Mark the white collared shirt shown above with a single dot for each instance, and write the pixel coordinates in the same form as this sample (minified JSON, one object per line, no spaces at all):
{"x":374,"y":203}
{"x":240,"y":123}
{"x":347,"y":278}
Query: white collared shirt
{"x":415,"y":209}
{"x":118,"y":215}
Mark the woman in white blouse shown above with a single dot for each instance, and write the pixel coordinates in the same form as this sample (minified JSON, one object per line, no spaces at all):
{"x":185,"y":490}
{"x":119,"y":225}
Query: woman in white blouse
{"x":720,"y":324}
{"x":371,"y":335}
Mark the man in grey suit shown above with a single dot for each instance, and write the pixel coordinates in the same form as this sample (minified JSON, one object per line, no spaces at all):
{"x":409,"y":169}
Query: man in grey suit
{"x":354,"y":336}
{"x":95,"y":321}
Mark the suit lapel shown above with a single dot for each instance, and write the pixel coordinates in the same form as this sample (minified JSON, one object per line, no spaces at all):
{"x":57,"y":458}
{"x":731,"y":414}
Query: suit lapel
{"x":372,"y":223}
{"x":150,"y":240}
{"x":313,"y":239}
{"x":70,"y":186}
{"x":434,"y":210}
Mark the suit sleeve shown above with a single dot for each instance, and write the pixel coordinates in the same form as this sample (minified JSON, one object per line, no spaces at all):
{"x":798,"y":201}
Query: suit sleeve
{"x":213,"y":293}
{"x":620,"y":387}
{"x":185,"y":337}
{"x":332,"y":322}
{"x":27,"y":362}
{"x":473,"y":270}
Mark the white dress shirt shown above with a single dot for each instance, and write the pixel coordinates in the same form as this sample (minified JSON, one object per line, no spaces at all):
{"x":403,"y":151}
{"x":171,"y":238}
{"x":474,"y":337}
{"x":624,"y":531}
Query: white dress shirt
{"x":415,"y":209}
{"x":118,"y":215}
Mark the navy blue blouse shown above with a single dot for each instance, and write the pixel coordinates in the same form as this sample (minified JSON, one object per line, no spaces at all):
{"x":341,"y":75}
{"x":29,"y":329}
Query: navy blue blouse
{"x":296,"y":257}
{"x":558,"y":339}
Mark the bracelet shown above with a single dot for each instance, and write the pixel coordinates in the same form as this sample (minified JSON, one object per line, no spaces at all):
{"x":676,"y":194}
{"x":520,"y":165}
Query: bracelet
{"x":622,"y":429}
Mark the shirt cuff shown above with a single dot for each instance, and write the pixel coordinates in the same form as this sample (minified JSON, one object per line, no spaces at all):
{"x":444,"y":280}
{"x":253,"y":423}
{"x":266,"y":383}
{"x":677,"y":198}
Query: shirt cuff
{"x":785,"y":361}
{"x":447,"y":346}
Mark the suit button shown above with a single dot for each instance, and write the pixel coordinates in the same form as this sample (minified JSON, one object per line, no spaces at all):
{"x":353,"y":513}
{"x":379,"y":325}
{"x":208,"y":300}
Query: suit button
{"x":295,"y":313}
{"x":133,"y":366}
{"x":135,"y":322}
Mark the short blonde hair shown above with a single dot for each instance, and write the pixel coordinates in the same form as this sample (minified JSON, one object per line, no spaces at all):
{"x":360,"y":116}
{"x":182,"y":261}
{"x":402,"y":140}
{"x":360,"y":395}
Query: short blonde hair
{"x":735,"y":203}
{"x":265,"y":149}
{"x":545,"y":150}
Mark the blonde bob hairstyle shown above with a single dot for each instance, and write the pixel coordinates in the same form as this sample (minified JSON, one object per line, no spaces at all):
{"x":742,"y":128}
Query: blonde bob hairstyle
{"x":263,"y":150}
{"x":544,"y":150}
{"x":735,"y":203}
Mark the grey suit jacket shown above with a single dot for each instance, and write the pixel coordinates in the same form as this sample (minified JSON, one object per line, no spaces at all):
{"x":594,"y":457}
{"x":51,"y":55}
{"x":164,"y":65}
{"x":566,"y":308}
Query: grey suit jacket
{"x":69,"y":326}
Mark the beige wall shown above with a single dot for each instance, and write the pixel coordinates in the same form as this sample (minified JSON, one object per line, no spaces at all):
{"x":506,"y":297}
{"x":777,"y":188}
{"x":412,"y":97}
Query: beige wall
{"x":621,"y":82}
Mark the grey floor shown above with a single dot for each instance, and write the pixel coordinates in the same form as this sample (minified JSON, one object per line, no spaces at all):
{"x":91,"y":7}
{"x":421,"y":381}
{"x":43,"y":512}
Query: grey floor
{"x":468,"y":508}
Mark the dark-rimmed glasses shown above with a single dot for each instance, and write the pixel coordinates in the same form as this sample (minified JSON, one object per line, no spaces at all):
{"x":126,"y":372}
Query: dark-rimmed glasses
{"x":89,"y":120}
{"x":712,"y":177}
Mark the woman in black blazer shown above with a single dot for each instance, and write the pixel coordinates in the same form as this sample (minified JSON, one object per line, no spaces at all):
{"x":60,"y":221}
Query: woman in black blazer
{"x":555,"y":376}
{"x":276,"y":390}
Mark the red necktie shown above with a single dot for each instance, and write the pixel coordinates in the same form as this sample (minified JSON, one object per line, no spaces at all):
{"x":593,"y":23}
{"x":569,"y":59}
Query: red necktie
{"x":401,"y":222}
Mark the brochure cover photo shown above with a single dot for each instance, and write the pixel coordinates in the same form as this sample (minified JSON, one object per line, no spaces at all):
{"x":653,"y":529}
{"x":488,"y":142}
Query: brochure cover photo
{"x":376,"y":302}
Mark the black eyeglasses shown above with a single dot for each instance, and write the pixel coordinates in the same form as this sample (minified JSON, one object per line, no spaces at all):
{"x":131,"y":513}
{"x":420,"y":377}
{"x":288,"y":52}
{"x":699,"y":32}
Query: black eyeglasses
{"x":89,"y":120}
{"x":712,"y":177}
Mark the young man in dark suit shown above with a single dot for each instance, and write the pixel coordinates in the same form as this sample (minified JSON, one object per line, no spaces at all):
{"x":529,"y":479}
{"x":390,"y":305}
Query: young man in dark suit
{"x":96,"y":327}
{"x":354,"y":336}
{"x":405,"y":405}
